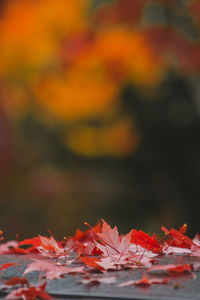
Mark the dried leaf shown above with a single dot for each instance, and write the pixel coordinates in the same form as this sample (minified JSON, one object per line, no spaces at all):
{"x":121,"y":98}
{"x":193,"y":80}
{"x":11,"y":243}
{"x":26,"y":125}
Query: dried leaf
{"x":30,"y":293}
{"x":144,"y":281}
{"x":171,"y":268}
{"x":52,"y":271}
{"x":16,"y":280}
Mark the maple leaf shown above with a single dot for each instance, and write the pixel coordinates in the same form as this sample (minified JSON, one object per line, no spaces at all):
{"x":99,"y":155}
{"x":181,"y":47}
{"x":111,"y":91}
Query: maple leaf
{"x":52,"y":271}
{"x":114,"y":249}
{"x":6,"y":248}
{"x":15,"y":281}
{"x":113,"y":244}
{"x":89,"y":249}
{"x":109,"y":239}
{"x":83,"y":241}
{"x":92,"y":262}
{"x":34,"y":242}
{"x":144,"y":281}
{"x":85,"y":236}
{"x":12,"y":247}
{"x":195,"y":248}
{"x":140,"y":251}
{"x":166,"y":249}
{"x":176,"y":238}
{"x":144,"y":240}
{"x":118,"y":251}
{"x":196,"y":240}
{"x":133,"y":250}
{"x":48,"y":247}
{"x":139,"y":261}
{"x":171,"y":268}
{"x":30,"y":293}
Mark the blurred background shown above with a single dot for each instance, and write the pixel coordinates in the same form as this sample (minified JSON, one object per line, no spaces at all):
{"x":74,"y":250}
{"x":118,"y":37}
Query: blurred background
{"x":99,"y":115}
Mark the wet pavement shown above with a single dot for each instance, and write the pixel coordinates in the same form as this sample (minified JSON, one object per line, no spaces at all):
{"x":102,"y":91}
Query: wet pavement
{"x":181,"y":287}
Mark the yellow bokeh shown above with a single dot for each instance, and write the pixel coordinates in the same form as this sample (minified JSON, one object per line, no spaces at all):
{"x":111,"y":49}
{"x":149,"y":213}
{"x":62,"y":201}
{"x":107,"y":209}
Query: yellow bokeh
{"x":118,"y":139}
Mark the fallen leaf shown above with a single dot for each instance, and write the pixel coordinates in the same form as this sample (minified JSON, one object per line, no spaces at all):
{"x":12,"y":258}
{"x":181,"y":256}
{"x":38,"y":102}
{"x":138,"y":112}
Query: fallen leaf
{"x":144,"y":281}
{"x":48,"y":247}
{"x":16,"y":280}
{"x":30,"y":293}
{"x":52,"y":271}
{"x":91,"y":262}
{"x":167,"y":250}
{"x":6,"y":248}
{"x":177,"y":238}
{"x":171,"y":268}
{"x":117,"y":252}
{"x":144,"y":240}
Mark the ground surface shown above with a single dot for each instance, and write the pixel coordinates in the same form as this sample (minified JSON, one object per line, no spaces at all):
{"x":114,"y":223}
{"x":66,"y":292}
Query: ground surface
{"x":185,"y":286}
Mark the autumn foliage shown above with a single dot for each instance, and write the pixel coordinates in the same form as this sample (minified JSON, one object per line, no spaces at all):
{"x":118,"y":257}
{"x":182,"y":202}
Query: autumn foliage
{"x":68,"y":63}
{"x":113,"y":252}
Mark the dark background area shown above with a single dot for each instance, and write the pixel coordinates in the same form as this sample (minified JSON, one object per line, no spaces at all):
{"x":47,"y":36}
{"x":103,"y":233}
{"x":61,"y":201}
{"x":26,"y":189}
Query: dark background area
{"x":134,"y":162}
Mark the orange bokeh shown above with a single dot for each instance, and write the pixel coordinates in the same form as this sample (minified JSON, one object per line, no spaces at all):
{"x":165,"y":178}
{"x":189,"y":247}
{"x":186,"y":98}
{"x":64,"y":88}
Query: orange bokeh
{"x":59,"y":58}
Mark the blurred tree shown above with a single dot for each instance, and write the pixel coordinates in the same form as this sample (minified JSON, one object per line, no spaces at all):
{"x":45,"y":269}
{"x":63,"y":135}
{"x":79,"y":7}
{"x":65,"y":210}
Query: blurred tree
{"x":106,"y":91}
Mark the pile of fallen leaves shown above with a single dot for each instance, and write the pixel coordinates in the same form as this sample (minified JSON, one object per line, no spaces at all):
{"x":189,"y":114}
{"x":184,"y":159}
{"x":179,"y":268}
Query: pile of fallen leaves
{"x":98,"y":250}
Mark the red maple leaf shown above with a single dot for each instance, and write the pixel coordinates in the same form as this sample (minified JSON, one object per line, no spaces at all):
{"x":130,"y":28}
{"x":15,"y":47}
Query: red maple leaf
{"x":176,"y":238}
{"x":117,"y":251}
{"x":83,"y":241}
{"x":171,"y":268}
{"x":85,"y":236}
{"x":144,"y":240}
{"x":134,"y":250}
{"x":16,"y":280}
{"x":109,"y":241}
{"x":30,"y":293}
{"x":48,"y":247}
{"x":144,"y":281}
{"x":91,"y":262}
{"x":34,"y":242}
